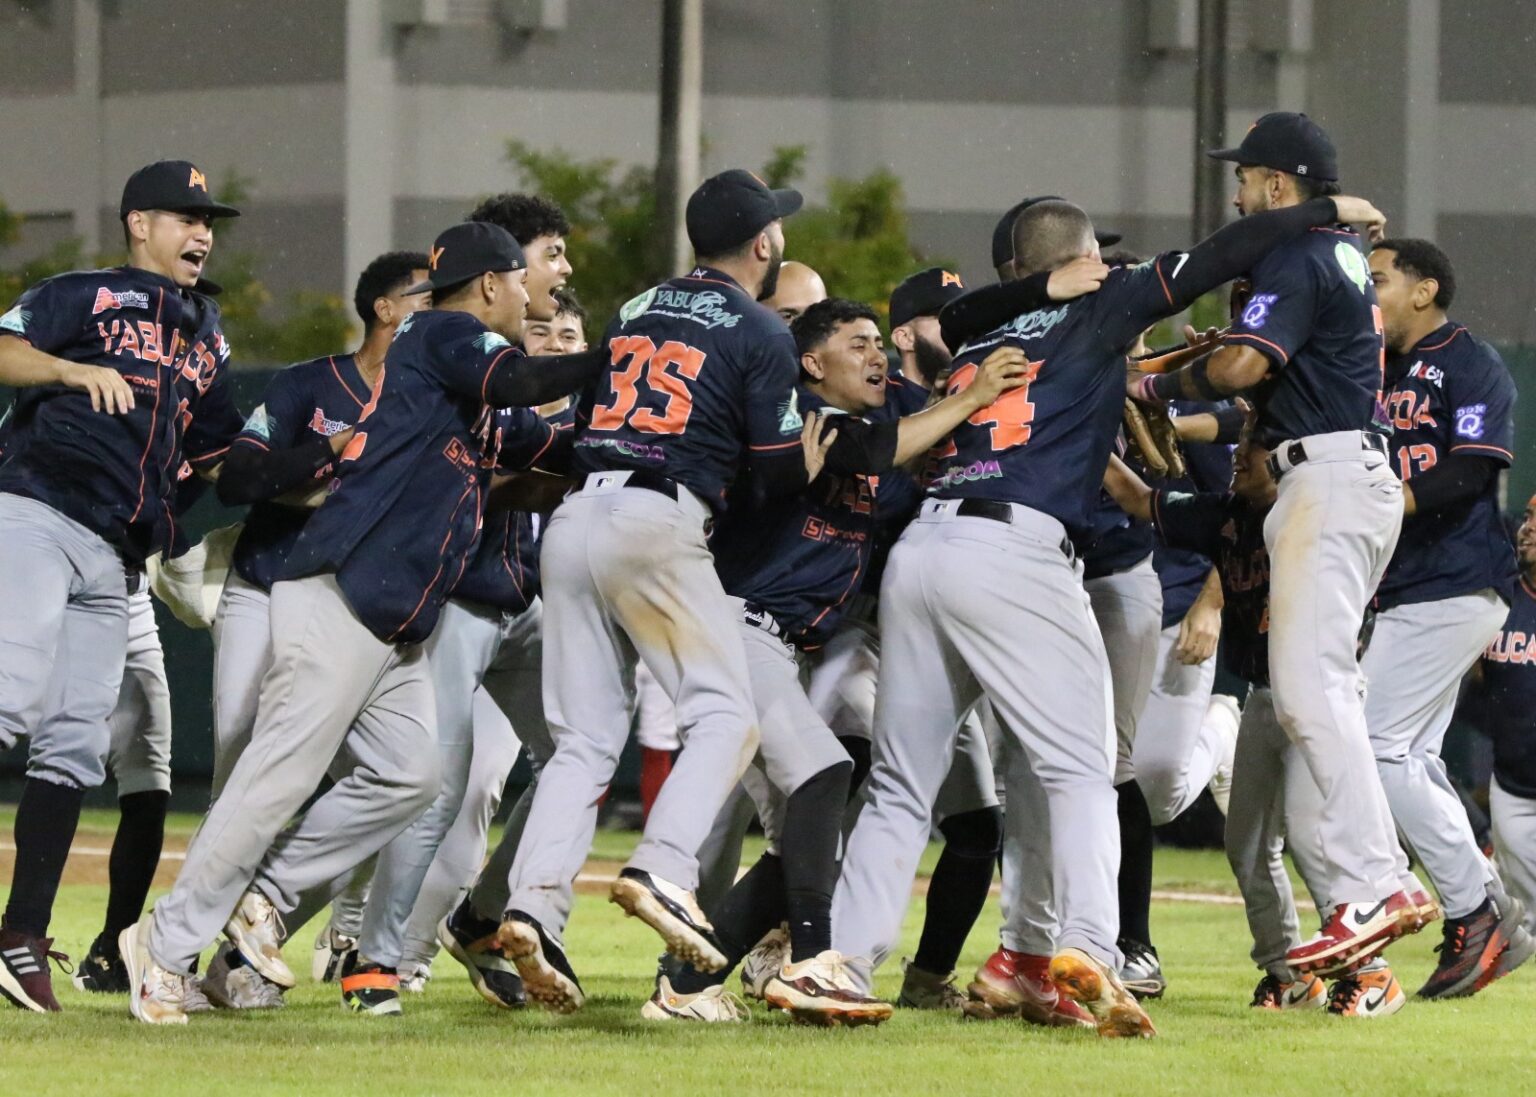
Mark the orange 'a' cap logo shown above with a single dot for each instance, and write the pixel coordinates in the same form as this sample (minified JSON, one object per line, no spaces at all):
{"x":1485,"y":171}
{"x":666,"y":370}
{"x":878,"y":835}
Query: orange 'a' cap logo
{"x":437,"y":253}
{"x":198,"y":180}
{"x":950,"y":279}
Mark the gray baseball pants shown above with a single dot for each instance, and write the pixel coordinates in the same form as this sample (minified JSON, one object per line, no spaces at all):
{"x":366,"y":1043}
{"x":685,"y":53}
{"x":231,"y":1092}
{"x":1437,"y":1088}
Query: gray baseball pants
{"x":1128,"y":606}
{"x":334,"y":689}
{"x":1330,"y":535}
{"x":1175,"y":754}
{"x":1514,"y":843}
{"x":242,"y":655}
{"x":139,"y":753}
{"x":63,"y":634}
{"x":627,"y":574}
{"x":971,"y":606}
{"x":1413,"y":668}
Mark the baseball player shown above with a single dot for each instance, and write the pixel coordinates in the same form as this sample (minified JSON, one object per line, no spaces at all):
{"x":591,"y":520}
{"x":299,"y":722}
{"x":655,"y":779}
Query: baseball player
{"x":1509,"y":681}
{"x":459,"y":859}
{"x":121,"y":373}
{"x":791,"y":568}
{"x":278,"y":465}
{"x":362,"y":587}
{"x":1309,"y":344}
{"x":1274,"y":799}
{"x":986,"y":569}
{"x":797,"y":289}
{"x":1443,"y":599}
{"x":489,"y":632}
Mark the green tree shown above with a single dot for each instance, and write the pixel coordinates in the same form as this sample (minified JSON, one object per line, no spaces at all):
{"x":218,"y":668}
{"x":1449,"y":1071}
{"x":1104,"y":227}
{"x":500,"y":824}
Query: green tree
{"x":858,"y":243}
{"x":262,"y":329}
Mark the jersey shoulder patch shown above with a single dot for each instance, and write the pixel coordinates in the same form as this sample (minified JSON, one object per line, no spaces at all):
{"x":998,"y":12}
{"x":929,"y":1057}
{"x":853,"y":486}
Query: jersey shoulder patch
{"x":636,"y":306}
{"x":1352,"y":263}
{"x":15,"y":320}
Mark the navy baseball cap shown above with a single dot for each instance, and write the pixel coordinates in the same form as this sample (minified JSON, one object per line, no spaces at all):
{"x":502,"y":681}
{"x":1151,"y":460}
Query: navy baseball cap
{"x":468,"y":250}
{"x":176,"y":186}
{"x":1285,"y":141}
{"x":924,"y":294}
{"x":1002,"y":235}
{"x":730,"y":208}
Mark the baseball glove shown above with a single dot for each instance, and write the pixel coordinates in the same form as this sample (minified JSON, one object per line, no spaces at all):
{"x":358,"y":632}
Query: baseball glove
{"x":1152,"y":440}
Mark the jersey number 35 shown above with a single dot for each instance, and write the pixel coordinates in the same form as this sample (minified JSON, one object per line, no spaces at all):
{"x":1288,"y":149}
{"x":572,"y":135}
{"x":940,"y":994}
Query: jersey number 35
{"x":668,"y":370}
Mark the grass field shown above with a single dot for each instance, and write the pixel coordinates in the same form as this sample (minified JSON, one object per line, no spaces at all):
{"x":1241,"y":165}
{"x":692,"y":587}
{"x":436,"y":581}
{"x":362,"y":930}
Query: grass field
{"x":449,"y":1042}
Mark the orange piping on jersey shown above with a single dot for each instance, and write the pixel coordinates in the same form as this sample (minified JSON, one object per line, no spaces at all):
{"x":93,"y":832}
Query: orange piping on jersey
{"x":448,"y":536}
{"x":154,"y":415}
{"x":485,"y":385}
{"x":342,"y":381}
{"x":1284,"y":357}
{"x":1443,"y":343}
{"x":776,"y":445}
{"x":1157,"y":265}
{"x":1482,"y":448}
{"x":251,"y":442}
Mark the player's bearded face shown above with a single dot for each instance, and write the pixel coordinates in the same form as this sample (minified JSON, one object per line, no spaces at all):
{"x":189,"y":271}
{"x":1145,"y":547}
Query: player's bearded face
{"x":775,"y":261}
{"x":1252,"y":195}
{"x":1525,"y":539}
{"x":932,"y":357}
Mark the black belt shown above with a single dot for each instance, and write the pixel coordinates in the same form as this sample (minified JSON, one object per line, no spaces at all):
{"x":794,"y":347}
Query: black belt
{"x":653,"y":481}
{"x":1296,"y":453}
{"x":133,"y":580}
{"x":994,"y":511}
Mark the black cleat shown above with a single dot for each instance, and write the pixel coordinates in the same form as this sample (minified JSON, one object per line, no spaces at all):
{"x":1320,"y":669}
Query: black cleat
{"x":1469,"y":950}
{"x":471,"y":940}
{"x":370,"y":988}
{"x":673,"y":912}
{"x":102,"y":971}
{"x":547,"y":975}
{"x":1143,"y":972}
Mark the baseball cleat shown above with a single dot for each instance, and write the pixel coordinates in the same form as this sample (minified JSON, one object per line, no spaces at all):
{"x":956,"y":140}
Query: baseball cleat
{"x":546,"y":973}
{"x":102,"y":971}
{"x":1142,"y":972}
{"x":1470,"y":949}
{"x":24,"y":978}
{"x":415,"y":977}
{"x":1353,"y":932}
{"x":819,"y":991}
{"x":713,"y":1004}
{"x":472,"y":941}
{"x":1095,"y":986}
{"x":257,"y":932}
{"x":672,"y":912}
{"x":155,"y":996}
{"x":231,"y":983}
{"x":370,"y":988}
{"x":1018,"y":984}
{"x":1305,"y":992}
{"x":764,"y":962}
{"x":1522,"y":945}
{"x":1371,"y":991}
{"x":330,"y":954}
{"x":1425,"y":909}
{"x":924,"y":990}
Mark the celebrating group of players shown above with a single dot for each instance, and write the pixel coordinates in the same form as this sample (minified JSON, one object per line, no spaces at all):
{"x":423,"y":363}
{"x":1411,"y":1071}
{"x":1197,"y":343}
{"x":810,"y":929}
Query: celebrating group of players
{"x":872,"y":598}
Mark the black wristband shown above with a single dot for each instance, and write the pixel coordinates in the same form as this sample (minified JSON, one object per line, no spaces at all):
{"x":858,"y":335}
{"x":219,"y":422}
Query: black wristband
{"x":1229,"y":424}
{"x":1199,"y":376}
{"x":1167,"y":386}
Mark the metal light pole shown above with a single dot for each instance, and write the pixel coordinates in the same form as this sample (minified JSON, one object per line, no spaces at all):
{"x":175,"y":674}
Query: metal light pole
{"x":682,"y":94}
{"x":1210,"y":117}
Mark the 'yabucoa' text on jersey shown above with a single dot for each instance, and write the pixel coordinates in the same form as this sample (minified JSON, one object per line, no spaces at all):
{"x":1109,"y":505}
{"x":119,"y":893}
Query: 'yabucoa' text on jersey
{"x":116,"y":474}
{"x":694,"y":343}
{"x":801,"y":558}
{"x":1045,"y":444}
{"x":1450,"y":394}
{"x":304,"y":402}
{"x":1313,"y":314}
{"x":1509,"y":678}
{"x":405,"y":506}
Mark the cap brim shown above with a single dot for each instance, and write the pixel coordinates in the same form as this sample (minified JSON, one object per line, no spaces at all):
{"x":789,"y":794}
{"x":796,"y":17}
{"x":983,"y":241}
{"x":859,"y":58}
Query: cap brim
{"x":1108,"y":239}
{"x":787,"y":201}
{"x":1234,"y":156}
{"x":419,"y":287}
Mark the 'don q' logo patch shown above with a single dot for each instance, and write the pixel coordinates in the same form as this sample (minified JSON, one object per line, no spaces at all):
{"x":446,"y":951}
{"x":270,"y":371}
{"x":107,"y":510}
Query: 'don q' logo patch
{"x":1256,"y":314}
{"x":1470,"y":421}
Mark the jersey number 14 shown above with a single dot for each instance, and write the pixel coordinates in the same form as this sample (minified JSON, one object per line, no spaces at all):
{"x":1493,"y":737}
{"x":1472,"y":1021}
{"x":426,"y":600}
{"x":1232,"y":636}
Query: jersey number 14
{"x":668,"y":370}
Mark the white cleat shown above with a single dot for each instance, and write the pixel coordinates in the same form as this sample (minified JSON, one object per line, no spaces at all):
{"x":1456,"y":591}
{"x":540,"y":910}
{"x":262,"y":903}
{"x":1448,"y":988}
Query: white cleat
{"x":232,"y":984}
{"x":820,"y":991}
{"x":155,"y":996}
{"x":257,"y":932}
{"x":330,"y":955}
{"x":712,"y":1005}
{"x":764,"y":962}
{"x":415,"y":977}
{"x":671,"y":911}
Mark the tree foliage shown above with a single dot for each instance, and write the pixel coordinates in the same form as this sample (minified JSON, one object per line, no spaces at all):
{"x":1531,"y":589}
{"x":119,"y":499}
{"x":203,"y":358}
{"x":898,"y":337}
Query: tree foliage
{"x":858,"y":242}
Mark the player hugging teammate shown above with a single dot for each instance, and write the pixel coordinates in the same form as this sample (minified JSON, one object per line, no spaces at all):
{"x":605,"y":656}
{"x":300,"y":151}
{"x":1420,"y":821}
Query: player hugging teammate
{"x":823,"y":569}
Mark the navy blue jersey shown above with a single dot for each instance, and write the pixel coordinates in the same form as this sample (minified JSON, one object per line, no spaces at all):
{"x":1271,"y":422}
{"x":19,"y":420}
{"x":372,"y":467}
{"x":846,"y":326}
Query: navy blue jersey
{"x":1450,"y":394}
{"x":1226,"y":530}
{"x":900,"y":492}
{"x":117,"y":474}
{"x":1183,"y":571}
{"x":701,"y":374}
{"x":1509,"y":677}
{"x":1313,"y":314}
{"x":315,"y":399}
{"x":405,"y":506}
{"x":1046,"y":444}
{"x":504,"y":571}
{"x":802,"y":557}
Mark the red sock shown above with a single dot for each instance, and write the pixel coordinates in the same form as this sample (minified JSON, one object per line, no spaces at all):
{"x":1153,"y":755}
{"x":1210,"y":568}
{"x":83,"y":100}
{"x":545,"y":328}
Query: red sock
{"x":654,"y":767}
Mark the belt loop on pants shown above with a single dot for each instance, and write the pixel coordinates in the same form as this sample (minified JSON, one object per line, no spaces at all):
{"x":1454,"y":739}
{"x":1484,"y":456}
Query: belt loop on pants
{"x":1343,"y":443}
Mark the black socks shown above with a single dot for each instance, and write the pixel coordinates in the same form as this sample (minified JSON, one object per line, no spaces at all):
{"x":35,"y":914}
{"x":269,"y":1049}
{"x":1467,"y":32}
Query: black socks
{"x":135,"y":855}
{"x":46,"y":820}
{"x":1135,"y":863}
{"x":959,"y":887}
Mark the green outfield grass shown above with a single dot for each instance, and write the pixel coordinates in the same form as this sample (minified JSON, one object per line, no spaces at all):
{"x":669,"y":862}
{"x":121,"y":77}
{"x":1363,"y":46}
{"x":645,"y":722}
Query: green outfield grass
{"x":449,"y":1042}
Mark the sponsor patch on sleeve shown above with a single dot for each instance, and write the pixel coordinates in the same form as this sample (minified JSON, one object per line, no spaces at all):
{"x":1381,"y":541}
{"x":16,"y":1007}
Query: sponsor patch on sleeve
{"x":1470,"y":421}
{"x":15,"y":320}
{"x":1256,"y":314}
{"x":258,"y":424}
